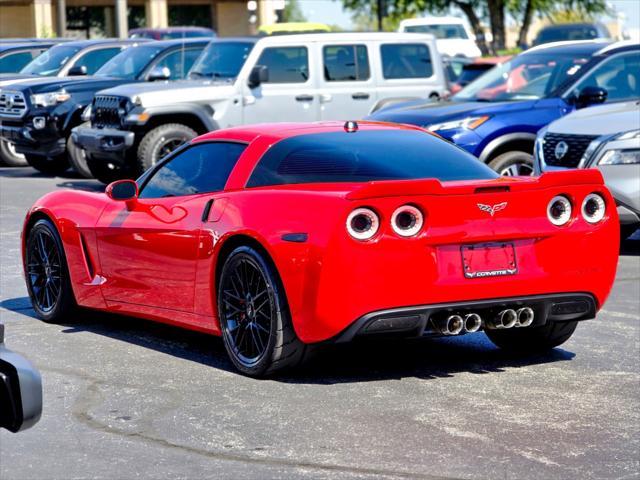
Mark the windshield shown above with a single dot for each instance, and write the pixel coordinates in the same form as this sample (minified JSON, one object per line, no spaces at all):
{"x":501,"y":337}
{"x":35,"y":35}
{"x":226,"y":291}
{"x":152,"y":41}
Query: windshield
{"x":130,"y":63}
{"x":525,"y":77}
{"x":221,"y":60}
{"x":51,"y":61}
{"x":439,"y":31}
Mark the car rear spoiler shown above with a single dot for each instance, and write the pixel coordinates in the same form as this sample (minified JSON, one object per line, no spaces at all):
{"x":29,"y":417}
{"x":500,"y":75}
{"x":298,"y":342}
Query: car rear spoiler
{"x":396,"y":188}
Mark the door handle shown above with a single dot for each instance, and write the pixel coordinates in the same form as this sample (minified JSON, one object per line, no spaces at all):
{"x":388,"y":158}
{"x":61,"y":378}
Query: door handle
{"x":304,"y":98}
{"x":207,"y":210}
{"x":360,"y":96}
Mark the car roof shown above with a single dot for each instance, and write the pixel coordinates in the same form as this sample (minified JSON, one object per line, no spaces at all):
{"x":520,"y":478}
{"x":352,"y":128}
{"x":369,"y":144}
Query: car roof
{"x":563,"y":26}
{"x":179,"y":41}
{"x":432,"y":21}
{"x":171,"y":29}
{"x":22,"y":45}
{"x":578,"y":47}
{"x":103,"y":41}
{"x":346,"y":37}
{"x":282,"y":130}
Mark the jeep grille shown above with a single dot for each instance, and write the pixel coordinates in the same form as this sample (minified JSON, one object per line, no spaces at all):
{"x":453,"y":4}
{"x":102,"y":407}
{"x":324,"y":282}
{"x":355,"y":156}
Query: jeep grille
{"x":108,"y":111}
{"x":12,"y":104}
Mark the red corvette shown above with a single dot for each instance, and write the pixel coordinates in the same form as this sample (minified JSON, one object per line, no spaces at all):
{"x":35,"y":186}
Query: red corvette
{"x":279,"y":237}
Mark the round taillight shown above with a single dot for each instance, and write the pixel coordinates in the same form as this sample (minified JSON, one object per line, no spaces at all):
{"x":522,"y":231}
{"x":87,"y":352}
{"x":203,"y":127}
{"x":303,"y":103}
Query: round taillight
{"x":407,"y":221}
{"x":559,"y":210}
{"x":593,"y":208}
{"x":363,"y":223}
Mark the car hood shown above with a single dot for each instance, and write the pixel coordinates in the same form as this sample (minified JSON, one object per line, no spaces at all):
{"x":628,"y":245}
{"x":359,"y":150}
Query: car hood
{"x":8,"y":79}
{"x":600,"y":120}
{"x":69,"y":84}
{"x":421,"y":113}
{"x":157,"y":94}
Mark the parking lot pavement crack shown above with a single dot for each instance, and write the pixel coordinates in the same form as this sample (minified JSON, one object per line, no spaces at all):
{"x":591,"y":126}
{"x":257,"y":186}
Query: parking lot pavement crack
{"x":92,"y":398}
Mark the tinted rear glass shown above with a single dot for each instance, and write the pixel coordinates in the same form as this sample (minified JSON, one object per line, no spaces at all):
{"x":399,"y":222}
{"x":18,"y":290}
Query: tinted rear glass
{"x":365,"y":156}
{"x":406,"y":60}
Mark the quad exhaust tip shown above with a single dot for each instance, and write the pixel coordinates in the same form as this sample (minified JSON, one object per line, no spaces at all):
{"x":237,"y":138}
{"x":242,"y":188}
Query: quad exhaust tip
{"x":472,"y":322}
{"x":525,"y":317}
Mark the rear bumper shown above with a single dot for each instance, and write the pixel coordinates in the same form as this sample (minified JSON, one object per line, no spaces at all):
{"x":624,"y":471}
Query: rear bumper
{"x":420,"y":320}
{"x":104,"y":144}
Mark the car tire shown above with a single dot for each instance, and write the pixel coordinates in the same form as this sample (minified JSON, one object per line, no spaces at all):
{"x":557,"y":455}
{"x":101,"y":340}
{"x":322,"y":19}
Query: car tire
{"x":47,"y":274}
{"x":48,"y":165}
{"x":258,"y":344}
{"x":513,"y":163}
{"x":100,"y":171}
{"x":161,"y":141}
{"x":9,"y":156}
{"x":532,"y":339}
{"x":78,"y":158}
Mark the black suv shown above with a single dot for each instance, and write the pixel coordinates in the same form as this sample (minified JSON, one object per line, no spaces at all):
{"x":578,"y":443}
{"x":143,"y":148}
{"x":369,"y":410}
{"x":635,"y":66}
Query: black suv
{"x":38,"y":116}
{"x":63,"y":59}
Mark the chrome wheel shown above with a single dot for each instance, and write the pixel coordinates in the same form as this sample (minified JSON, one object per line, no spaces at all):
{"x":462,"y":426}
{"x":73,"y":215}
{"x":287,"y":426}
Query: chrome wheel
{"x":44,"y":270}
{"x":517,"y":169}
{"x":247,"y":310}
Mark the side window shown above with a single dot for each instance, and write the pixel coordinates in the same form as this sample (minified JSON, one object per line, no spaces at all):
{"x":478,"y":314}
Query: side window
{"x":286,"y":64}
{"x":202,"y":168}
{"x":406,"y":60}
{"x":14,"y":62}
{"x":345,"y":63}
{"x":179,"y":62}
{"x":619,"y":76}
{"x":94,"y":59}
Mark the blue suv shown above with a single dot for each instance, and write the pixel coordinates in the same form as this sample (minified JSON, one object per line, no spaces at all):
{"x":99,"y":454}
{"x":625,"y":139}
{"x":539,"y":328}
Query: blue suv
{"x":497,"y":116}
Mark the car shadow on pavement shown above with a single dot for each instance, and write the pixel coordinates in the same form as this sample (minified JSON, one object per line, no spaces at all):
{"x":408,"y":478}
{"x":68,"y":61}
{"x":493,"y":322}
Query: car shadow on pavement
{"x":631,"y":246}
{"x":360,"y":361}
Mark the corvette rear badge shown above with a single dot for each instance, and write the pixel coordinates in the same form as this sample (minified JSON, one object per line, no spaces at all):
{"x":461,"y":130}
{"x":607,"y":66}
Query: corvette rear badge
{"x":492,"y":209}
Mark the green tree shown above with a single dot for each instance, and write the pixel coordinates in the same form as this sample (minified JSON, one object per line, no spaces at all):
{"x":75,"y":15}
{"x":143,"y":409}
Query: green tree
{"x":493,"y":11}
{"x":292,"y":12}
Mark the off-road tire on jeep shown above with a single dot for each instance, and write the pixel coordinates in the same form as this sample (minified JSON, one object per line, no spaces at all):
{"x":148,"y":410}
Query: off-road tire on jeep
{"x":513,"y":163}
{"x":161,"y":141}
{"x":78,"y":157}
{"x":9,"y":157}
{"x":248,"y":276}
{"x":532,"y":339}
{"x":48,"y":165}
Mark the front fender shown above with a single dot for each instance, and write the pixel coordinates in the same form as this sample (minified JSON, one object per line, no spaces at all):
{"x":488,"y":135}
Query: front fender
{"x":204,"y":113}
{"x":74,"y":215}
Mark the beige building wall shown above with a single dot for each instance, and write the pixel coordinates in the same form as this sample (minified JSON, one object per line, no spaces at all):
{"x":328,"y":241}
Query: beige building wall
{"x":233,"y":18}
{"x":17,"y":21}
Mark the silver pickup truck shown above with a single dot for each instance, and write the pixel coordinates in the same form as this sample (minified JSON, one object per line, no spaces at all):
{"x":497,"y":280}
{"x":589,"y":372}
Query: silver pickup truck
{"x":239,"y":81}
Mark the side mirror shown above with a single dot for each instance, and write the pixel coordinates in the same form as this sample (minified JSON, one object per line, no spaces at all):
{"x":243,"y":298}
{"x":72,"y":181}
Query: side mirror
{"x":159,"y":73}
{"x":123,"y":191}
{"x":78,"y":70}
{"x":20,"y":390}
{"x":259,"y":74}
{"x":591,"y":96}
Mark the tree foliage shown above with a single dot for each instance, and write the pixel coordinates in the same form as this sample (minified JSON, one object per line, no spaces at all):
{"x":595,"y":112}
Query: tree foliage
{"x":493,"y":12}
{"x":292,"y":12}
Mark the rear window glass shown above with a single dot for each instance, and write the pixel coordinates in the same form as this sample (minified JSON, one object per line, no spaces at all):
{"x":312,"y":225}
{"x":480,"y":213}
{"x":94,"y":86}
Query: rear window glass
{"x":406,"y":60}
{"x":365,"y":156}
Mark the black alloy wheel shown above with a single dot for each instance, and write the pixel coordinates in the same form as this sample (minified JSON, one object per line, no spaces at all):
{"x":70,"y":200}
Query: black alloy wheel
{"x":47,"y":274}
{"x":256,"y":326}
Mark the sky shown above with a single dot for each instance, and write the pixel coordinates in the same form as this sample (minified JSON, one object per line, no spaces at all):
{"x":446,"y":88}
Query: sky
{"x":331,"y":12}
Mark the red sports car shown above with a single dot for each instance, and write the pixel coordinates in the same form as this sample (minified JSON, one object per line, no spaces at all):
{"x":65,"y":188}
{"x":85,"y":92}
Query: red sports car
{"x":281,"y":237}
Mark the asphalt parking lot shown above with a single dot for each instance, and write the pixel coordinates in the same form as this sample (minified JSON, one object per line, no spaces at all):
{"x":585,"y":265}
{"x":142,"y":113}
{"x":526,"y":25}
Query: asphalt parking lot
{"x":127,"y":398}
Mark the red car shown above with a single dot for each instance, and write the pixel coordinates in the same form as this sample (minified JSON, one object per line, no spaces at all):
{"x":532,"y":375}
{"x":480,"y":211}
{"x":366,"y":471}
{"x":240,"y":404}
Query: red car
{"x":281,"y":237}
